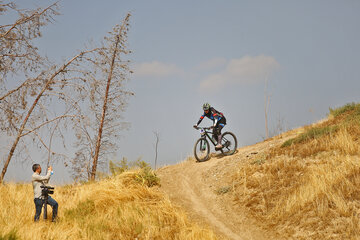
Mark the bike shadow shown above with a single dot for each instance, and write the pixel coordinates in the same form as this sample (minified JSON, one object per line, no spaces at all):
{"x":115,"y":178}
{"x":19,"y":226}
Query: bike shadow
{"x":218,"y":155}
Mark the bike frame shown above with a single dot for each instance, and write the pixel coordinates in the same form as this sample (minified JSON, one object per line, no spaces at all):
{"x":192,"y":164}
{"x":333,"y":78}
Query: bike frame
{"x":208,"y":134}
{"x":228,"y":146}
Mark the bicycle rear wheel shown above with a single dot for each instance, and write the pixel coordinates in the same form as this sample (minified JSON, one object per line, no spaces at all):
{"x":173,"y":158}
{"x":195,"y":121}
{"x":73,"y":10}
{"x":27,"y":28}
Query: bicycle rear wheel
{"x":229,"y":143}
{"x":202,"y":149}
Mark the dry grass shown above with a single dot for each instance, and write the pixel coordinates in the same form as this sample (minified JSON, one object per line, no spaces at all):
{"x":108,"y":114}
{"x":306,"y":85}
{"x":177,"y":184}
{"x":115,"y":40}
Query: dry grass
{"x":120,"y":207}
{"x":309,"y":189}
{"x":344,"y":140}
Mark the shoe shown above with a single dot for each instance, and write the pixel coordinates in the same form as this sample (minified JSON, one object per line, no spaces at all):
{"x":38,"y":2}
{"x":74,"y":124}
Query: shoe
{"x":219,"y":146}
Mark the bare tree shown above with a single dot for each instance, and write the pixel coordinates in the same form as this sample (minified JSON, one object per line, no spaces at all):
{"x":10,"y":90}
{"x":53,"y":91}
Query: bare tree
{"x":47,"y":90}
{"x":20,"y":57}
{"x":17,"y":51}
{"x":266,"y":107}
{"x":98,"y":132}
{"x":280,"y":126}
{"x":76,"y":88}
{"x":157,"y":139}
{"x":117,"y":45}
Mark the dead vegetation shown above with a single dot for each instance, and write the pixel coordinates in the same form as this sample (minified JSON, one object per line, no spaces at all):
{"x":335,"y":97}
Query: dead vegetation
{"x":307,"y":188}
{"x":118,"y":207}
{"x":45,"y":105}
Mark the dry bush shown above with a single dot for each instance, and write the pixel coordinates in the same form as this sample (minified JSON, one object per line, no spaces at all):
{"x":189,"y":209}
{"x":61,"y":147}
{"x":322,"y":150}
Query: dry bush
{"x":115,"y":208}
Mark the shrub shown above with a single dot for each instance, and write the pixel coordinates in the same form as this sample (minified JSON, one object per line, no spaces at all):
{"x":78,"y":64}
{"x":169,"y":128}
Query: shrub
{"x":346,"y":108}
{"x":124,"y":165}
{"x":118,"y":167}
{"x":147,"y":177}
{"x":9,"y":236}
{"x":223,"y":190}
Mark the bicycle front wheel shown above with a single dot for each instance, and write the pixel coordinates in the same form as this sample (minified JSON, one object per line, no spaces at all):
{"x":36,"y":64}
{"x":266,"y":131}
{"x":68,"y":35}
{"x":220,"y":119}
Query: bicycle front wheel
{"x":229,"y":143}
{"x":202,"y":150}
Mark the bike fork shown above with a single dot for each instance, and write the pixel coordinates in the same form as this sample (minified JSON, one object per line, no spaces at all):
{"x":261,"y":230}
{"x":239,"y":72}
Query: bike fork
{"x":203,"y":144}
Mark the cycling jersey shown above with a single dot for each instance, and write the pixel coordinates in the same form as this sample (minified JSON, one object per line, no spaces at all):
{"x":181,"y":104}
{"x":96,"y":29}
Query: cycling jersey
{"x":213,"y":115}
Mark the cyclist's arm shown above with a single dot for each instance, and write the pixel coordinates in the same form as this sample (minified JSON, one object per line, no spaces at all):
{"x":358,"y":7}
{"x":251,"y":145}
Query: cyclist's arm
{"x":201,"y":118}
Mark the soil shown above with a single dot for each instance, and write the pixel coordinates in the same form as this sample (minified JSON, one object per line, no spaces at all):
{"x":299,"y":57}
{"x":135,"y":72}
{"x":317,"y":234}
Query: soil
{"x":203,"y":189}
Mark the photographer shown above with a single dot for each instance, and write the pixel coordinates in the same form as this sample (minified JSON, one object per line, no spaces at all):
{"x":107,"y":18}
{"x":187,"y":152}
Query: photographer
{"x":37,"y":182}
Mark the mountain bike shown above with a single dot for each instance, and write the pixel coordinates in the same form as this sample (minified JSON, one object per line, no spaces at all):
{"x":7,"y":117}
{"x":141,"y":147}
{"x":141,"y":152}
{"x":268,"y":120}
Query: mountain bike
{"x":202,"y":146}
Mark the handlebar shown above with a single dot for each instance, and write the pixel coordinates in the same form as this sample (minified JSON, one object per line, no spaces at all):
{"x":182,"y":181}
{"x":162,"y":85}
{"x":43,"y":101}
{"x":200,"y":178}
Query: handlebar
{"x":205,"y":128}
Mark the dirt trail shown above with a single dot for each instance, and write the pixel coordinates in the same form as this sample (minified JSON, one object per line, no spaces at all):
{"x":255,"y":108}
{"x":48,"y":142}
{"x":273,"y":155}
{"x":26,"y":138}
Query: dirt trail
{"x":194,"y":186}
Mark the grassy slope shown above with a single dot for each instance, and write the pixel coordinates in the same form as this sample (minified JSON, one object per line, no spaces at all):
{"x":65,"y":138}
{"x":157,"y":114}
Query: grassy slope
{"x":120,"y":207}
{"x":308,"y":188}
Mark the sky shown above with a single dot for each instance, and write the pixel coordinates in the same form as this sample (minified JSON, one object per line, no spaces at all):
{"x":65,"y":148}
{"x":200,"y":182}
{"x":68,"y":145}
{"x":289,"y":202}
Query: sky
{"x":186,"y":53}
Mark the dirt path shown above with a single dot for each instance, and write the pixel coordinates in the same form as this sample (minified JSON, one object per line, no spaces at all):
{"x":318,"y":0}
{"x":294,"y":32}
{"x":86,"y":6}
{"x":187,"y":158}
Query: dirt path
{"x":196,"y":186}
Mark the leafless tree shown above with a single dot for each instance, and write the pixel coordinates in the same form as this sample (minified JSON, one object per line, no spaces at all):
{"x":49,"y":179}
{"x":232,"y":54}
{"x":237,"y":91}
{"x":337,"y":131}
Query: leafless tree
{"x":44,"y":83}
{"x":280,"y":126}
{"x":76,"y":89}
{"x":19,"y":57}
{"x":98,"y":132}
{"x":58,"y":78}
{"x":266,"y":107}
{"x":157,"y":139}
{"x":18,"y":54}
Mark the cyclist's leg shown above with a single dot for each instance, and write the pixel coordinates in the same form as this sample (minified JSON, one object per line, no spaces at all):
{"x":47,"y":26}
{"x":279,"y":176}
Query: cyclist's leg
{"x":218,"y":132}
{"x":215,"y":135}
{"x":219,"y":126}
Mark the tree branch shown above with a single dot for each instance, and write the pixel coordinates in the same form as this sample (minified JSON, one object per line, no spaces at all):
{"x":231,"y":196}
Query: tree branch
{"x":27,"y":19}
{"x":47,"y":122}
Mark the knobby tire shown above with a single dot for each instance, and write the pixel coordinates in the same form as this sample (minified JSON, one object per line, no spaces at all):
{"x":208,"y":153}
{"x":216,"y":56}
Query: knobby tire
{"x":200,"y":143}
{"x":231,"y":149}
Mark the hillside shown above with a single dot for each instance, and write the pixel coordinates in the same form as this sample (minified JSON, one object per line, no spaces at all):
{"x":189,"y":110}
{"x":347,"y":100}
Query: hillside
{"x":120,"y":207}
{"x":302,"y":184}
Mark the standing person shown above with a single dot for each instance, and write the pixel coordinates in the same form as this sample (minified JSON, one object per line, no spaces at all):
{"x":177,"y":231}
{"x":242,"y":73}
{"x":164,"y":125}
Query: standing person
{"x":219,"y":121}
{"x":38,"y":181}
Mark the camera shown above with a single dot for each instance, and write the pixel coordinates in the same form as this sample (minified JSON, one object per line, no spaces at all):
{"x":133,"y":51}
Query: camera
{"x":46,"y":190}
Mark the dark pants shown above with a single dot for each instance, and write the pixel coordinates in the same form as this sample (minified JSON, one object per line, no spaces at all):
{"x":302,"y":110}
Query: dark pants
{"x":39,"y":204}
{"x":217,"y":129}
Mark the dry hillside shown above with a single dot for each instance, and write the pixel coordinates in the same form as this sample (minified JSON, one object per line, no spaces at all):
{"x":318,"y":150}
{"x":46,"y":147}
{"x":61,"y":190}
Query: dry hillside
{"x":120,"y":207}
{"x":303,"y":184}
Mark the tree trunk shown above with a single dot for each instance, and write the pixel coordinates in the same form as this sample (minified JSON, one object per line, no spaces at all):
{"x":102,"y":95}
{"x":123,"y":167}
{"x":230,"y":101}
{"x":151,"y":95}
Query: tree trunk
{"x":157,"y":139}
{"x":266,"y":108}
{"x":98,"y":141}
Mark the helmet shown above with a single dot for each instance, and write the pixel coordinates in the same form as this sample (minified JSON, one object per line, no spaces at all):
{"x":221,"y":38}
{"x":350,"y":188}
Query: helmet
{"x":206,"y":106}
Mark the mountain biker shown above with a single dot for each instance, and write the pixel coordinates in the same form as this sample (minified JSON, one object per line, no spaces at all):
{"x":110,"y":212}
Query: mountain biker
{"x":219,"y":121}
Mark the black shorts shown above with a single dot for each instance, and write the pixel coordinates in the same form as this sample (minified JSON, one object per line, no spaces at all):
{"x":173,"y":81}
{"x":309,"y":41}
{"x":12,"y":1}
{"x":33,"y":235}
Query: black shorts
{"x":221,"y":122}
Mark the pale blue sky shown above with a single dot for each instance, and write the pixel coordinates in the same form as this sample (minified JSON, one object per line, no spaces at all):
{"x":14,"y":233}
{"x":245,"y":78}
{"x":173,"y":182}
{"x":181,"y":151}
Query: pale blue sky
{"x":186,"y":53}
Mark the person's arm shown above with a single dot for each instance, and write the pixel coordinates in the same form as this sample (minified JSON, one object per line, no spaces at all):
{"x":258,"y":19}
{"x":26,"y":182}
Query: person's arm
{"x":201,"y":118}
{"x":42,"y":178}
